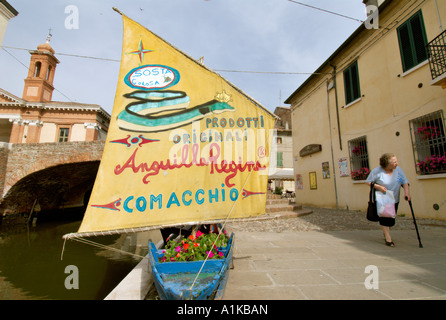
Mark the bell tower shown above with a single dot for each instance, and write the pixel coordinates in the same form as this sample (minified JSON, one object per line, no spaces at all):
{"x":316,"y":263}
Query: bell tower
{"x":39,"y":83}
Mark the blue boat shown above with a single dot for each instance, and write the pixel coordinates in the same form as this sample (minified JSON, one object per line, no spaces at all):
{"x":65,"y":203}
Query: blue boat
{"x":191,"y":280}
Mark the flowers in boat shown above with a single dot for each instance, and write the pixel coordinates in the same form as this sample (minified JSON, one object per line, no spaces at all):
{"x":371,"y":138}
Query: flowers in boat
{"x":194,"y":248}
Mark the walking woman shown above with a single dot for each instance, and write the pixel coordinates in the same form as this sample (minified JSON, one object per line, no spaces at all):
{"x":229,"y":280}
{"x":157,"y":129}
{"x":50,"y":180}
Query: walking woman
{"x":388,"y":176}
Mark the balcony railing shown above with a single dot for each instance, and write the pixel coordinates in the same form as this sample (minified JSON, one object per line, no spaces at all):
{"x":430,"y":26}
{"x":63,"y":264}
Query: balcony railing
{"x":436,"y":50}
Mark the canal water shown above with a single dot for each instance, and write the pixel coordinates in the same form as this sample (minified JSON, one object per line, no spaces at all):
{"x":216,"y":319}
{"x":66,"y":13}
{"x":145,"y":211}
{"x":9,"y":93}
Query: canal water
{"x":31,"y":267}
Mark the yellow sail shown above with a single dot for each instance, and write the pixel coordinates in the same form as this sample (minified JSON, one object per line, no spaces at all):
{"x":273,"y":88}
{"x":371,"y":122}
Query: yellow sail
{"x":184,"y":145}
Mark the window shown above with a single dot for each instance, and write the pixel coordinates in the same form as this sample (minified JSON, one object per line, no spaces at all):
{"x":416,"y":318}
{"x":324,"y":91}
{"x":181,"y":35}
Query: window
{"x":351,"y":83}
{"x":429,"y":143}
{"x":37,"y":69}
{"x":280,"y":159}
{"x":48,"y":73}
{"x":279,"y":140}
{"x":359,"y":158}
{"x":413,"y":40}
{"x":63,"y":134}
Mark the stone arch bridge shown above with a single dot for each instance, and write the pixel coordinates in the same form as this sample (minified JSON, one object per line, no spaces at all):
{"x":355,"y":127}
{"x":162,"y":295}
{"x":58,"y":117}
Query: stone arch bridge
{"x":53,"y":175}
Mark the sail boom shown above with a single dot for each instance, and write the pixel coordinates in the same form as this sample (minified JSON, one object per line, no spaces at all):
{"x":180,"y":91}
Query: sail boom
{"x":151,"y":228}
{"x":134,"y":230}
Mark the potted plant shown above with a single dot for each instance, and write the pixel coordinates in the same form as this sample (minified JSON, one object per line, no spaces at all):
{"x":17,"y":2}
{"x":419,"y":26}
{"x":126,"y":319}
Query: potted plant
{"x":358,"y":150}
{"x":360,"y":174}
{"x":428,"y":132}
{"x":432,"y":164}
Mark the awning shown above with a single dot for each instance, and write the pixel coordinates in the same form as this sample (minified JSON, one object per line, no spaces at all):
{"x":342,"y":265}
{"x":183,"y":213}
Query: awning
{"x":282,"y":174}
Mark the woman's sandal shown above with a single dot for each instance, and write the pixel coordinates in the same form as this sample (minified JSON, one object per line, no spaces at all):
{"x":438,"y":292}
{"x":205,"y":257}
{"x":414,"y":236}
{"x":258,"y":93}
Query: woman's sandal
{"x":390,"y":244}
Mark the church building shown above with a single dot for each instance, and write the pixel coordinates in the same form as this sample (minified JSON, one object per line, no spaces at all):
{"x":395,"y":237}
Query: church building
{"x":35,"y":118}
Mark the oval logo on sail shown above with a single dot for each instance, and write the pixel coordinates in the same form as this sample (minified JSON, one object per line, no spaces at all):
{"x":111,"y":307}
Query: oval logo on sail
{"x":152,"y":77}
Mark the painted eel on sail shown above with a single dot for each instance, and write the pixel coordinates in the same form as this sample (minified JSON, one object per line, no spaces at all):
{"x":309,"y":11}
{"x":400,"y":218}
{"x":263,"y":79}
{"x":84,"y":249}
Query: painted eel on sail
{"x":148,"y":114}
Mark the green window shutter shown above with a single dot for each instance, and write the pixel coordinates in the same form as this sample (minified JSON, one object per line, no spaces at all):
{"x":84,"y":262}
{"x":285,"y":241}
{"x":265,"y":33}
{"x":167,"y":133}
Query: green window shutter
{"x":347,"y":86}
{"x":406,"y":48}
{"x":413,"y":40}
{"x":355,"y":81}
{"x":351,"y":83}
{"x":280,"y":159}
{"x":419,"y":37}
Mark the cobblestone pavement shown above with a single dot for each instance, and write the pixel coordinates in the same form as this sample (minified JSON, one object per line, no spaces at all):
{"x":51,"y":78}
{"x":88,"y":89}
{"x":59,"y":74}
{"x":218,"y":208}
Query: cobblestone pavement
{"x":330,"y":220}
{"x":325,"y":256}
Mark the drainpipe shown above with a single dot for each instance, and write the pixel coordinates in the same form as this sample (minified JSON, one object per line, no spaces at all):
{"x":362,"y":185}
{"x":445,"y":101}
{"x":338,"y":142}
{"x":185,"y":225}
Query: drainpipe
{"x":337,"y":105}
{"x":439,"y":18}
{"x":331,"y":144}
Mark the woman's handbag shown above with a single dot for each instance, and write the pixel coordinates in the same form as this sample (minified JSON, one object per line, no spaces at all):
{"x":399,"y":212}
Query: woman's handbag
{"x":372,"y":213}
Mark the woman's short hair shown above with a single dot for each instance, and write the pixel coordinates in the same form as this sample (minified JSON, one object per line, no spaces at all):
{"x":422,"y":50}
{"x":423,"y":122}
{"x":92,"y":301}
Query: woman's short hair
{"x":385,"y":159}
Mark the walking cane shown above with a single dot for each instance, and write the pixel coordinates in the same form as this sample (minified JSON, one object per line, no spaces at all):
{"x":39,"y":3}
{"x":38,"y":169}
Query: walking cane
{"x":415,"y":223}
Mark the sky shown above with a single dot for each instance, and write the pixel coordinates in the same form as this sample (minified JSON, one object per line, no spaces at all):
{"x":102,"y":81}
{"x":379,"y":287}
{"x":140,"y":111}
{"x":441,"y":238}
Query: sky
{"x":281,"y":41}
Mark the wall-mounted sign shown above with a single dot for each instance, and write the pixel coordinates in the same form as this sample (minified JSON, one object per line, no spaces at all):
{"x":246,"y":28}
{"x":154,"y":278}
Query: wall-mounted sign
{"x":299,"y":182}
{"x":313,"y":181}
{"x":310,"y":149}
{"x":326,"y":170}
{"x":343,"y":167}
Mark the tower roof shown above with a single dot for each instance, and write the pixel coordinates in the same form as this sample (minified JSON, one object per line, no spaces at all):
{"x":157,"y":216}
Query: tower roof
{"x":46,"y":46}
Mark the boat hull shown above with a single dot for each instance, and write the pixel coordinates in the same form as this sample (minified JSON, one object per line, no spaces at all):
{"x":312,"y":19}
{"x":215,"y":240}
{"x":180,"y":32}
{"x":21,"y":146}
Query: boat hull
{"x":179,"y":281}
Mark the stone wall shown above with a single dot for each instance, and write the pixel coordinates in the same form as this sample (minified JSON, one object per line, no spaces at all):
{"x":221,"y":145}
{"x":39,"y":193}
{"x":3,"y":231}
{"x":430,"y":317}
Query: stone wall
{"x":24,"y":159}
{"x":4,"y":152}
{"x":27,"y":169}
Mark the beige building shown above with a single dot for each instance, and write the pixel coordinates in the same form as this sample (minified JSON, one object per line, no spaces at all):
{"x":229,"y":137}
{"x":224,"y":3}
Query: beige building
{"x":281,"y":172}
{"x":35,"y":118}
{"x":7,"y":12}
{"x":381,"y":91}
